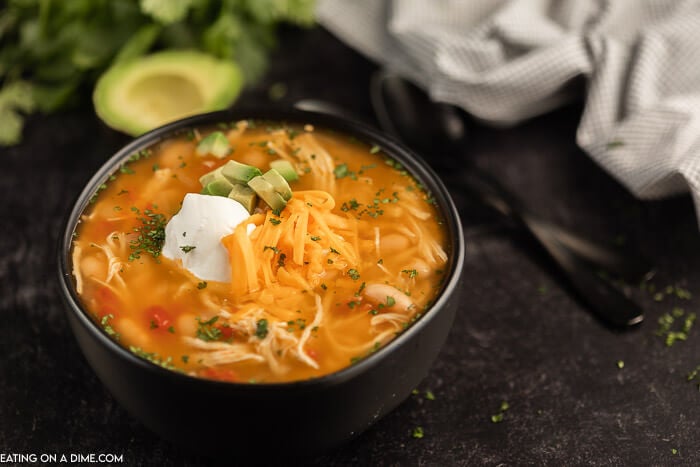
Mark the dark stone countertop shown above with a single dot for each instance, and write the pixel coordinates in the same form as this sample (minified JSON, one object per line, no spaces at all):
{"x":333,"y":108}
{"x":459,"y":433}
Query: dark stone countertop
{"x":520,"y":337}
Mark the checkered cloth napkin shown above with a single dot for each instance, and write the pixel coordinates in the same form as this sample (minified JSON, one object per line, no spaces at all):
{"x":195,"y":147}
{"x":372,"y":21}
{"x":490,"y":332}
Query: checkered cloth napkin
{"x":635,"y":62}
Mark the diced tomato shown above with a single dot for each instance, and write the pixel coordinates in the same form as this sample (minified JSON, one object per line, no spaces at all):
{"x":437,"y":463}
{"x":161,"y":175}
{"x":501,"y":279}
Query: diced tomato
{"x":158,"y":317}
{"x":226,"y":332}
{"x":107,"y":302}
{"x":312,"y":353}
{"x":219,"y":374}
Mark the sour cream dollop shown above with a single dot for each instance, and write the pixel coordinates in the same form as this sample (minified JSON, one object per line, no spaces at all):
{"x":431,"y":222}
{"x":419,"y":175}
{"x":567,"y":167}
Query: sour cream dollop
{"x":201,"y":223}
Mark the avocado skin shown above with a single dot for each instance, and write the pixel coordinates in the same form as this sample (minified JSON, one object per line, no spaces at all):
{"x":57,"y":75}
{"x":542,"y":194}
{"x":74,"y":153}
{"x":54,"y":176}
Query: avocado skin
{"x":218,"y":81}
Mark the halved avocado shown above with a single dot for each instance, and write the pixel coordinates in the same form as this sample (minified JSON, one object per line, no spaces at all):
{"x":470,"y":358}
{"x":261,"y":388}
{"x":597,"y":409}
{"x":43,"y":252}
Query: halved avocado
{"x":155,"y":89}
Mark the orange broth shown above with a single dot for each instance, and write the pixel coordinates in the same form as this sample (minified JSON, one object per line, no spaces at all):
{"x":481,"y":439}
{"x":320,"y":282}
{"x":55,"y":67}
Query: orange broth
{"x":163,"y":313}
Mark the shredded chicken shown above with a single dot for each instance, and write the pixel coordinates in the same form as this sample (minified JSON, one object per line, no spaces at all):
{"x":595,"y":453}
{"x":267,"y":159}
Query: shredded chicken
{"x":77,"y":253}
{"x":379,"y":293}
{"x":271,"y":349}
{"x":114,"y":249}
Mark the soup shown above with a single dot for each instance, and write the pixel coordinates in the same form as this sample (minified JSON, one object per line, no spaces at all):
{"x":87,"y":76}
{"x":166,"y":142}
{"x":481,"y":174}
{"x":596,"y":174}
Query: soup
{"x":260,"y":253}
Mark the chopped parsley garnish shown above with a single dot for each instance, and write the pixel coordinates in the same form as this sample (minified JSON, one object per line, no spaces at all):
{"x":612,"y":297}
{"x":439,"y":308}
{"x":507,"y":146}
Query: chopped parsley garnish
{"x":273,"y":248}
{"x":333,"y":250}
{"x":274,"y":221}
{"x":153,"y":357}
{"x":354,"y":275}
{"x":341,"y":170}
{"x":280,"y":261}
{"x":315,"y":238}
{"x":620,"y":364}
{"x":374,"y":149}
{"x":429,"y":395}
{"x":100,"y":188}
{"x":202,"y":285}
{"x":185,"y":358}
{"x":351,"y":205}
{"x":187,"y":248}
{"x":411,"y":273}
{"x":151,"y":235}
{"x":104,"y":322}
{"x":497,"y":418}
{"x":206,"y":330}
{"x":125,"y":169}
{"x":615,"y":144}
{"x":390,"y":301}
{"x":366,"y":167}
{"x":359,"y":291}
{"x":155,"y":167}
{"x":418,"y":432}
{"x":324,"y":286}
{"x":261,"y":329}
{"x":666,"y":326}
{"x":154,"y":325}
{"x":171,"y":330}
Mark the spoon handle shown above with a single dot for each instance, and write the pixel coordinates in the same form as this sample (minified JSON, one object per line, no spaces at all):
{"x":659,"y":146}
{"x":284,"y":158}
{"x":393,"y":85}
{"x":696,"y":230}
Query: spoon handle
{"x":605,"y":300}
{"x":632,"y":267}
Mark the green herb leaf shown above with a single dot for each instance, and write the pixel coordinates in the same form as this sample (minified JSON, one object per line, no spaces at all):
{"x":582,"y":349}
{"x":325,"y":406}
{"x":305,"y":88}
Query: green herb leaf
{"x":151,"y":235}
{"x":411,"y":273}
{"x":153,"y":357}
{"x":206,"y":330}
{"x":261,"y":329}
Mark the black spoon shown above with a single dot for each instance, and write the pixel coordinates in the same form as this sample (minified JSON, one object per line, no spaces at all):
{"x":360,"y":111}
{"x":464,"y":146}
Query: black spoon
{"x":438,"y":129}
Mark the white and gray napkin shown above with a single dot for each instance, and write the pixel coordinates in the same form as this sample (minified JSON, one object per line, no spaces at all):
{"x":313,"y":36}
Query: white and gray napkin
{"x":507,"y":60}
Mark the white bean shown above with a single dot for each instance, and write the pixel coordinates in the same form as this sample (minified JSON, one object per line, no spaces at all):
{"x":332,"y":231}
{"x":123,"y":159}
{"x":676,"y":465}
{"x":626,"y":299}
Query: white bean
{"x":132,"y":333}
{"x":186,"y":325}
{"x":91,"y":266}
{"x":393,"y":243}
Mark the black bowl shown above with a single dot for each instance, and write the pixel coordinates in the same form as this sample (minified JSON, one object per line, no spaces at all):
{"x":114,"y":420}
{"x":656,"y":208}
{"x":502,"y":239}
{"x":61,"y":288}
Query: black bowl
{"x":296,"y":419}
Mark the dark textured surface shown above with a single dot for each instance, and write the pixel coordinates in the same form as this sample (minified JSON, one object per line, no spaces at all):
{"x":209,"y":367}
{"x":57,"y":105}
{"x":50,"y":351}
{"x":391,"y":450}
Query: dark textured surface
{"x":520,"y":337}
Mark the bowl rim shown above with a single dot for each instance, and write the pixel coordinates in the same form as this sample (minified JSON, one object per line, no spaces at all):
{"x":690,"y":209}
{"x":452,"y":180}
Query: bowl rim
{"x":413,"y":163}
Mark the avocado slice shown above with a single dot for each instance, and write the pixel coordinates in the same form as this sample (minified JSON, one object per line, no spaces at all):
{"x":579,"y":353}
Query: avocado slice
{"x":244,"y":195}
{"x":267,"y":192}
{"x":279,"y":184}
{"x":285,"y":169}
{"x":144,"y":93}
